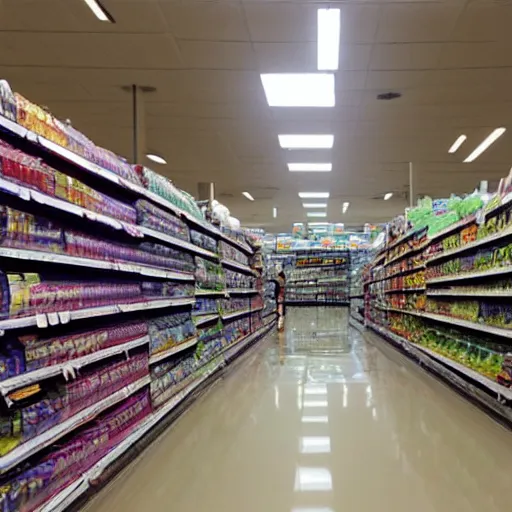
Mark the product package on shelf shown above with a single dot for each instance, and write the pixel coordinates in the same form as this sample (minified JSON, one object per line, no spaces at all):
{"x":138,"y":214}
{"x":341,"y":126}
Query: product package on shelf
{"x":32,"y":172}
{"x":39,"y":407}
{"x":230,"y":252}
{"x":27,"y":294}
{"x":269,"y":297}
{"x":150,"y":216}
{"x":206,"y":306}
{"x":209,"y":275}
{"x":234,"y":304}
{"x":239,"y":280}
{"x":29,"y":352}
{"x":256,"y":321}
{"x":7,"y":101}
{"x":34,"y":484}
{"x":170,"y":377}
{"x":22,"y":230}
{"x":164,"y":188}
{"x":204,"y":241}
{"x":169,"y":331}
{"x":236,"y":329}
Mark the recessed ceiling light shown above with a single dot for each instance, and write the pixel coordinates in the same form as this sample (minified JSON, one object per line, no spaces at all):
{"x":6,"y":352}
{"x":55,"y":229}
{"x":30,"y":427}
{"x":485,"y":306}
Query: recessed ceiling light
{"x":314,"y":205}
{"x":495,"y":134}
{"x":296,"y":167}
{"x":99,"y":11}
{"x":313,"y":141}
{"x":274,"y":212}
{"x":317,"y":223}
{"x":156,"y":158}
{"x":328,"y":39}
{"x":387,"y":196}
{"x":345,"y":207}
{"x":457,"y":144}
{"x":299,"y":89}
{"x":248,"y":196}
{"x":314,"y":195}
{"x":316,"y":214}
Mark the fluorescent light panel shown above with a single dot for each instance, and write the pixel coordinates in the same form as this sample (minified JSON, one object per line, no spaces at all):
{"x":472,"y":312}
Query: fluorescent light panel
{"x":311,"y":141}
{"x":317,"y":223}
{"x":316,"y":214}
{"x":99,"y":11}
{"x":328,"y":48}
{"x":297,"y":167}
{"x":387,"y":196}
{"x":274,"y":212}
{"x":457,"y":144}
{"x":299,"y":89}
{"x":314,"y":195}
{"x":495,"y":134}
{"x":314,"y":205}
{"x":248,"y":196}
{"x":156,"y":158}
{"x":345,"y":207}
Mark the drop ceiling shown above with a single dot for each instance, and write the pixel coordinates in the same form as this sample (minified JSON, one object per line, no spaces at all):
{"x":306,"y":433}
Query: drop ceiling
{"x":451,"y":61}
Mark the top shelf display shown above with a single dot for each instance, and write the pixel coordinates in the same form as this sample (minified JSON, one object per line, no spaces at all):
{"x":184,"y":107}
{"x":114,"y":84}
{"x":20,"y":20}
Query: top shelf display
{"x":22,"y":119}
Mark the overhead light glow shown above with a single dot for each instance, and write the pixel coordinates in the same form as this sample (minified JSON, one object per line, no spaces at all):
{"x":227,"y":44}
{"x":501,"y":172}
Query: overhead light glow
{"x":485,"y":144}
{"x":345,"y":207}
{"x":274,"y":212}
{"x":328,"y":48}
{"x":156,"y":158}
{"x":299,"y":89}
{"x":296,"y":167}
{"x":306,"y":141}
{"x":387,"y":196}
{"x":314,"y":205}
{"x":248,"y":196}
{"x":314,"y":195}
{"x":316,"y":214}
{"x":457,"y":144}
{"x":99,"y":11}
{"x":317,"y":223}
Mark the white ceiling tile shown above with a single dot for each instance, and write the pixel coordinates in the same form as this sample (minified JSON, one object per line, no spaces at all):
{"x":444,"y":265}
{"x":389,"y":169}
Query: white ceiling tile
{"x":206,"y":21}
{"x":217,"y":55}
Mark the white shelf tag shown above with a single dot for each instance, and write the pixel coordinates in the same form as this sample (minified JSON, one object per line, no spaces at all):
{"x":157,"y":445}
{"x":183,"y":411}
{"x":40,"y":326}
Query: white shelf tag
{"x":53,"y":318}
{"x":41,"y":320}
{"x":64,"y":317}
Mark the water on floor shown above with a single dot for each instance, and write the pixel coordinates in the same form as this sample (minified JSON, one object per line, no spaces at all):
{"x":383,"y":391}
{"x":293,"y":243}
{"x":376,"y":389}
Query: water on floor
{"x":320,"y":419}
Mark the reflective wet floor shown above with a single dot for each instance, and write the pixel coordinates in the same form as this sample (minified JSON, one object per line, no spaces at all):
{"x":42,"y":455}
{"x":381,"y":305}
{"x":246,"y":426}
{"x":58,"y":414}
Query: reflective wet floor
{"x":322,"y":419}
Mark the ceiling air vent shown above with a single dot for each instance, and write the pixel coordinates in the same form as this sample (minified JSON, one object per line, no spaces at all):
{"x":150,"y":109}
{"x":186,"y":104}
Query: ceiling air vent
{"x":388,"y":96}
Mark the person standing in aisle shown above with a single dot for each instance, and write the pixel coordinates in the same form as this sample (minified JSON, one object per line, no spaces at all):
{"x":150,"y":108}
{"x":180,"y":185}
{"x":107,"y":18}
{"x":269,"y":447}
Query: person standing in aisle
{"x":280,"y":297}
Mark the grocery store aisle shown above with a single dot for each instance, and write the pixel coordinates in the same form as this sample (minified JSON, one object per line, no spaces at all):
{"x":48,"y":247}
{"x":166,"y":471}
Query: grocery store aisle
{"x":320,"y":420}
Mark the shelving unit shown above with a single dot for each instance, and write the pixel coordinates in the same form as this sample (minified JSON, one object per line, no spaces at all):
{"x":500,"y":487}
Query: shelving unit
{"x":318,"y":278}
{"x":446,"y":307}
{"x":106,"y":277}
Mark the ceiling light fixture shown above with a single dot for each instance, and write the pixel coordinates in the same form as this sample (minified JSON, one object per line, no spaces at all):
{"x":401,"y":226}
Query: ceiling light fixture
{"x":345,"y":207}
{"x":274,"y":212}
{"x":457,"y":144}
{"x":314,"y":205}
{"x":156,"y":158}
{"x":99,"y":11}
{"x":248,"y":196}
{"x":328,"y":48}
{"x":314,"y":195}
{"x":316,"y":214}
{"x":317,"y":223}
{"x":306,"y":141}
{"x":492,"y":137}
{"x":299,"y":89}
{"x":387,"y":196}
{"x":297,"y":167}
